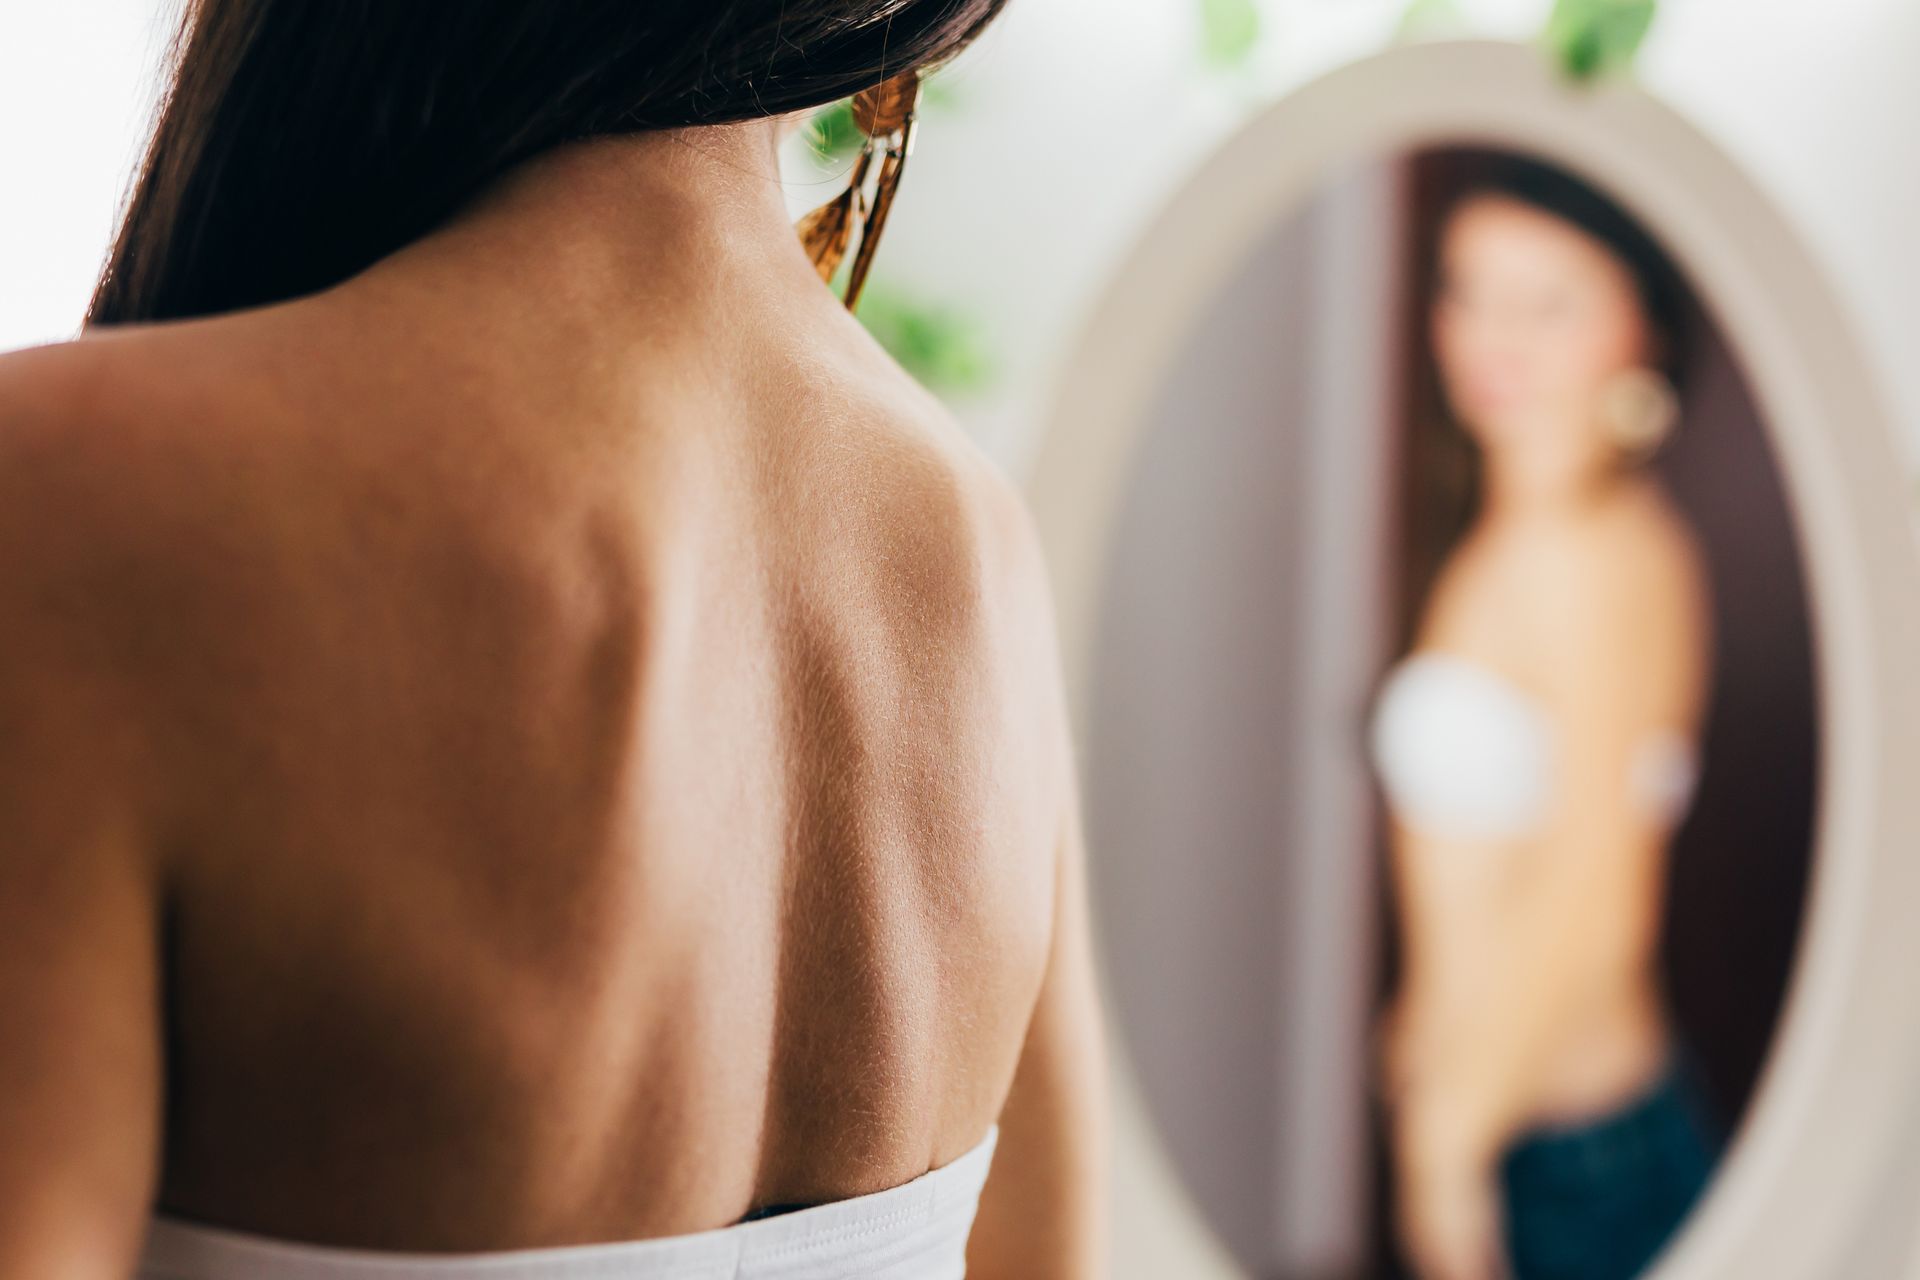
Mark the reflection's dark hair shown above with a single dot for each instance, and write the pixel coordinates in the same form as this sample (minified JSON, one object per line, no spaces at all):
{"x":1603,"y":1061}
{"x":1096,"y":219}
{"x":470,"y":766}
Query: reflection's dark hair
{"x":298,"y":143}
{"x":1443,"y":476}
{"x":1554,"y":191}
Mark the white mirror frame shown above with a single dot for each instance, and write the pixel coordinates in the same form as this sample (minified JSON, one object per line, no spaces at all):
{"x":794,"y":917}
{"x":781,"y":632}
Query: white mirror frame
{"x":1835,"y":1097}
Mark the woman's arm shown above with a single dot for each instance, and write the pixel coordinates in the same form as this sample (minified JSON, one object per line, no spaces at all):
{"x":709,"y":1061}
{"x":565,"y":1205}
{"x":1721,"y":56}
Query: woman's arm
{"x":1042,"y":1214}
{"x":79,"y":1004}
{"x":80,"y":1061}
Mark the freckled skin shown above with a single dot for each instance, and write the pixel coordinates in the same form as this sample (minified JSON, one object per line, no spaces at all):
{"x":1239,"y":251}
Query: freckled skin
{"x":555,"y":739}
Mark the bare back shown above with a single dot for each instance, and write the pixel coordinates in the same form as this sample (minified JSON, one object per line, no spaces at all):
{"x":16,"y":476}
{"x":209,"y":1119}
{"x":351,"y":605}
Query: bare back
{"x":607,"y":791}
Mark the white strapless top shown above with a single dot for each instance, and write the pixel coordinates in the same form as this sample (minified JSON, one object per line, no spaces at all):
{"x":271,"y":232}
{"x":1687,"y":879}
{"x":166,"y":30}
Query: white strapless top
{"x":1463,"y":753}
{"x":915,"y":1231}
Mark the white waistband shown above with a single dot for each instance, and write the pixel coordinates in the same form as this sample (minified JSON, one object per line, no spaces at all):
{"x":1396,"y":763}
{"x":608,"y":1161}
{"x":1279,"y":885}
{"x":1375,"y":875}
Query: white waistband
{"x":915,"y":1231}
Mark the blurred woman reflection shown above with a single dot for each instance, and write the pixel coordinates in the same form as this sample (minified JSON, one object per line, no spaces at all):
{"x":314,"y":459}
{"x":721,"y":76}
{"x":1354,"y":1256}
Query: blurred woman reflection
{"x":1537,"y":748}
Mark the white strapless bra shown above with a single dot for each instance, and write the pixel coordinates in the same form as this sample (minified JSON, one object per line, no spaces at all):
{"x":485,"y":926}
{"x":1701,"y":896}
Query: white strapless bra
{"x":1463,"y":753}
{"x":915,"y":1231}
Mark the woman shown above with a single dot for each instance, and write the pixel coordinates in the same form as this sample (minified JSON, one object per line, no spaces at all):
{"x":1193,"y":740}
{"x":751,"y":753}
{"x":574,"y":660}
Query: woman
{"x":1537,"y":749}
{"x":527,"y":746}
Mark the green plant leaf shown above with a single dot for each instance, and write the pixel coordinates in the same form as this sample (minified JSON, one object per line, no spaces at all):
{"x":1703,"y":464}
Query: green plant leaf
{"x":1424,"y":19}
{"x":1593,"y":38}
{"x":1229,"y":30}
{"x":832,"y":133}
{"x":937,"y":93}
{"x":942,"y":346}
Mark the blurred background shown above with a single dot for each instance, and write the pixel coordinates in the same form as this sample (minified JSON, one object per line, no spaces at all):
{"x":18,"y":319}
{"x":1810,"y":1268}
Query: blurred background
{"x":1244,"y":919}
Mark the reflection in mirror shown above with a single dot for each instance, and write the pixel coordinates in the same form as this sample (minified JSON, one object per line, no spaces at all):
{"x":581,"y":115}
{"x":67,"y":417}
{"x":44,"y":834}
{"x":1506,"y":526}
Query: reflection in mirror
{"x":1452,"y":737}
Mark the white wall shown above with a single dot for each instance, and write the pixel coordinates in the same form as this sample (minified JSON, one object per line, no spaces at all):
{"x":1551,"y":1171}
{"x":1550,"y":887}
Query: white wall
{"x":75,"y":80}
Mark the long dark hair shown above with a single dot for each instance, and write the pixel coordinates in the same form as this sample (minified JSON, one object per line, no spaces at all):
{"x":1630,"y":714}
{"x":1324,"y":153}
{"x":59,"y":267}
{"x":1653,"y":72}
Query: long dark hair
{"x":299,"y":143}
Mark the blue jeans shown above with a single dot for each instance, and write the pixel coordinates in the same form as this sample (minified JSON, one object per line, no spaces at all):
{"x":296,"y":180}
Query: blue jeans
{"x":1598,"y":1201}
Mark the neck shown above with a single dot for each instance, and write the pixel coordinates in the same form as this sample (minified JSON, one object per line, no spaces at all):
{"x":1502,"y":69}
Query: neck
{"x":599,"y":223}
{"x":1534,"y":480}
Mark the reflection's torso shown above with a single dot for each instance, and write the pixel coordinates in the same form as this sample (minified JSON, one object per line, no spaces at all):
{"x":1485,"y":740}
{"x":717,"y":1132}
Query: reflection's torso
{"x":1470,"y":760}
{"x":1617,"y":1044}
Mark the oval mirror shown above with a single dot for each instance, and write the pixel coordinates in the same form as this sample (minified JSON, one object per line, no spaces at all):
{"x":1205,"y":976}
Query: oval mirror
{"x":1482,"y":561}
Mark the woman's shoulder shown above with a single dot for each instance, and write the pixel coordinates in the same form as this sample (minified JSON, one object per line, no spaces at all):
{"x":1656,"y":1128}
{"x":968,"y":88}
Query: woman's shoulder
{"x":1633,"y":542}
{"x":1625,"y":583}
{"x":1625,"y":572}
{"x":137,"y":390}
{"x":114,"y":419}
{"x":52,"y":389}
{"x":99,"y":574}
{"x":926,"y":458}
{"x":1643,"y":553}
{"x":151,"y":478}
{"x":1643,"y":512}
{"x":78,"y":422}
